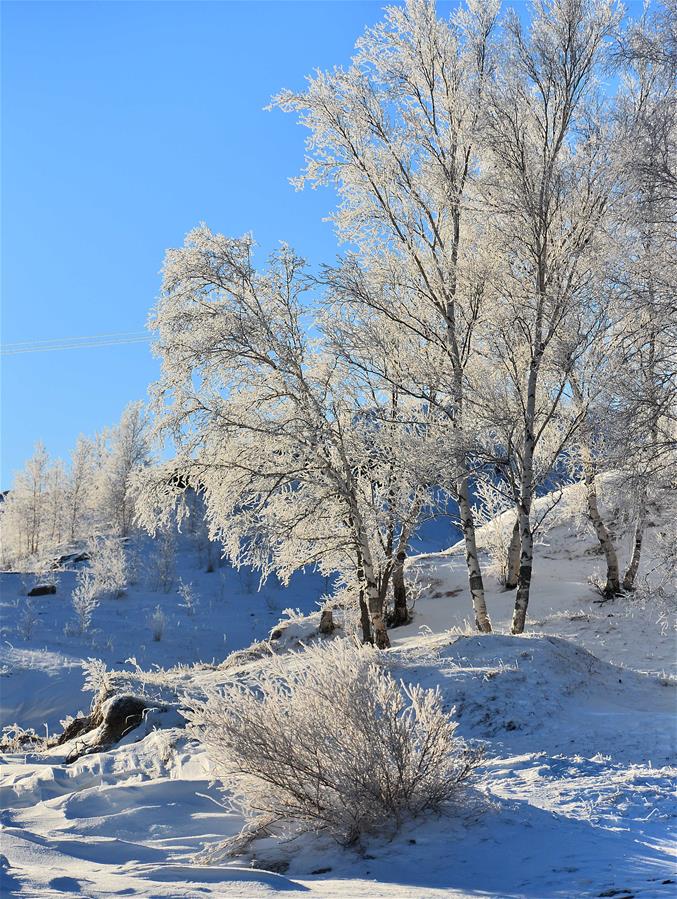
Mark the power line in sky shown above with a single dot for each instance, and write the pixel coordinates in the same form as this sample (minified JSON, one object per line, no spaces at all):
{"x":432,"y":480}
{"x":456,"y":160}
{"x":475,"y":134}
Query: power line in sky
{"x":74,"y":343}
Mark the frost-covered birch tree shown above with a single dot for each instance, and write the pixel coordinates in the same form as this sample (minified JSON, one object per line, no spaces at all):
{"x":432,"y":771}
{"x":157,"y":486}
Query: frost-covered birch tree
{"x":55,"y":503}
{"x":547,"y":183}
{"x":395,"y":133}
{"x":645,"y":278}
{"x":592,"y":444}
{"x":80,"y":484}
{"x":125,"y":449}
{"x":24,"y":517}
{"x":269,"y":427}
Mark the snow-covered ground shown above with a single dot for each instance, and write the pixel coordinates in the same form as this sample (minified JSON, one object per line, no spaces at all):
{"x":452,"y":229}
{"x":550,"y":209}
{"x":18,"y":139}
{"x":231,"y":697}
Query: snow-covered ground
{"x":41,"y":674}
{"x":575,"y":797}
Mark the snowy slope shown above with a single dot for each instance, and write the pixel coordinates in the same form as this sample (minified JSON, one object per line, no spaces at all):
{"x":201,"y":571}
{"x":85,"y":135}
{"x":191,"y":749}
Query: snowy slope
{"x":575,"y":797}
{"x":637,"y":631}
{"x":41,"y":675}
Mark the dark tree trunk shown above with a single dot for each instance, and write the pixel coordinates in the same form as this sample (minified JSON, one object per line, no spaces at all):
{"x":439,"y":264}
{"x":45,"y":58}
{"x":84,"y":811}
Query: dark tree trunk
{"x":519,"y":616}
{"x":513,"y":570}
{"x":401,"y":613}
{"x":327,"y":625}
{"x":365,"y":621}
{"x":475,"y":581}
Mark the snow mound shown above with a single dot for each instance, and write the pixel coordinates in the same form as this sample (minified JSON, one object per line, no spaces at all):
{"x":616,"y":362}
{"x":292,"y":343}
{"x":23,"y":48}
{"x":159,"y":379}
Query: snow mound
{"x":511,"y":689}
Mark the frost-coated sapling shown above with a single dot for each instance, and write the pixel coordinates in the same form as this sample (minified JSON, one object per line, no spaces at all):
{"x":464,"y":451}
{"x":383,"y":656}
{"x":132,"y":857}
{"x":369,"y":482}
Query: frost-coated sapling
{"x":187,"y":593}
{"x":158,"y":620}
{"x":108,"y":565}
{"x":85,"y":598}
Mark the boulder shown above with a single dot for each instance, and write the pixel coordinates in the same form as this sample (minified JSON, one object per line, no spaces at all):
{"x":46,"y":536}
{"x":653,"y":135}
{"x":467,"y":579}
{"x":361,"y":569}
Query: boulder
{"x":110,"y":720}
{"x":42,"y":590}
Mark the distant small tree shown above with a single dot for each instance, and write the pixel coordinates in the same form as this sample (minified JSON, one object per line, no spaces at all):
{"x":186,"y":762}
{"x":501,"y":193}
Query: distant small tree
{"x":80,"y":484}
{"x":85,"y":598}
{"x":127,"y":450}
{"x":24,"y":513}
{"x":55,"y":503}
{"x":108,"y":565}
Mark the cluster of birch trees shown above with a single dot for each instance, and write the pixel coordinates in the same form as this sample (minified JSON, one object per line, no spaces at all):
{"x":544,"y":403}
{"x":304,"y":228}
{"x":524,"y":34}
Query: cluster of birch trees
{"x":51,"y":504}
{"x":505,"y":310}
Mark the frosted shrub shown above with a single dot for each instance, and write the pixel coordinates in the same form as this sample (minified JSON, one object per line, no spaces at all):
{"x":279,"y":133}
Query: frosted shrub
{"x":164,"y":567}
{"x":85,"y":598}
{"x":325,"y":740}
{"x":15,"y":738}
{"x":157,"y":623}
{"x":107,"y":573}
{"x":108,"y":565}
{"x":189,"y":596}
{"x":27,"y":620}
{"x":97,"y":678}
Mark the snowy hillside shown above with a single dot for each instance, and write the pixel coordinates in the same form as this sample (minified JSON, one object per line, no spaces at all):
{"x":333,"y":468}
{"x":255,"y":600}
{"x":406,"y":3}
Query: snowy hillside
{"x":576,"y":719}
{"x":637,"y":632}
{"x":574,"y":797}
{"x":42,"y":651}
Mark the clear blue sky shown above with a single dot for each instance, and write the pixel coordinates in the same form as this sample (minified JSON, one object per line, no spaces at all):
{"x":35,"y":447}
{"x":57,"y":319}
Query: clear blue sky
{"x":124,"y":125}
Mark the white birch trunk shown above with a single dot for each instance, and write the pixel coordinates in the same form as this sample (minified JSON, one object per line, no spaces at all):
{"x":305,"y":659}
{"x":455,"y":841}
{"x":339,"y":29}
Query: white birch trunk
{"x":519,"y":616}
{"x":612,"y":586}
{"x":475,"y":581}
{"x":640,"y":526}
{"x":369,"y":592}
{"x":374,"y":602}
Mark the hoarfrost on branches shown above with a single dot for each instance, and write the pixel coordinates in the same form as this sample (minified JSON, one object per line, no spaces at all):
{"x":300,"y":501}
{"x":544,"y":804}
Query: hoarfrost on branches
{"x":327,"y":741}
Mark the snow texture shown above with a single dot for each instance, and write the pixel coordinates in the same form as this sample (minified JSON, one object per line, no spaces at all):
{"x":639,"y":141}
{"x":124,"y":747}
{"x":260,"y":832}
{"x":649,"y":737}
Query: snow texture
{"x":576,"y":718}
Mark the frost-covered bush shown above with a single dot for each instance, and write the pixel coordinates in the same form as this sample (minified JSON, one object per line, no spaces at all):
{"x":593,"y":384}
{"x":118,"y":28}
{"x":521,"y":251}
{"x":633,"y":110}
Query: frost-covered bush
{"x":85,"y":598}
{"x":15,"y":738}
{"x":188,"y":595}
{"x":108,"y":565}
{"x":106,"y":574}
{"x":158,"y":621}
{"x":27,"y":620}
{"x":326,"y":740}
{"x":163,"y":567}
